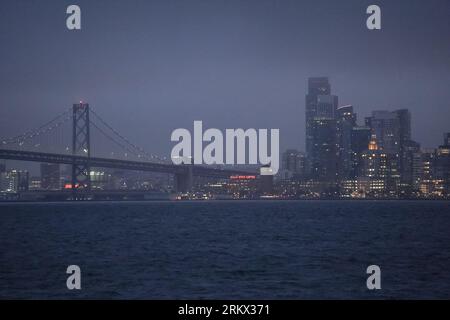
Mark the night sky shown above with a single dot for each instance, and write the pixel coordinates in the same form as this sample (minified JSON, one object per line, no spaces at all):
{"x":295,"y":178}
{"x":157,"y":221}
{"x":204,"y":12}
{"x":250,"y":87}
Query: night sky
{"x":149,"y":67}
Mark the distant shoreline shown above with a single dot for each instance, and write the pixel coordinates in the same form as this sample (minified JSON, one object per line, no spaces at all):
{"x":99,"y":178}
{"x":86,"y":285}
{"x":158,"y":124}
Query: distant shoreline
{"x":216,"y":200}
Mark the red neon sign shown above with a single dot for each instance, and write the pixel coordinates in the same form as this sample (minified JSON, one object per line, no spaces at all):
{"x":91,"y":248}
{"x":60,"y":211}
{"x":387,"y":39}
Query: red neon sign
{"x":243,"y":177}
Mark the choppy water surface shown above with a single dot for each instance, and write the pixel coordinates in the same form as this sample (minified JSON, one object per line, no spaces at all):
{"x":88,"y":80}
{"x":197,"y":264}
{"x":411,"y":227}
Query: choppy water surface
{"x":261,"y":249}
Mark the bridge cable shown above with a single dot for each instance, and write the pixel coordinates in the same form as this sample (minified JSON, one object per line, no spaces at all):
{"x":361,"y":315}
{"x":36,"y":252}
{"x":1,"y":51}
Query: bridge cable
{"x":127,"y":141}
{"x":37,"y":131}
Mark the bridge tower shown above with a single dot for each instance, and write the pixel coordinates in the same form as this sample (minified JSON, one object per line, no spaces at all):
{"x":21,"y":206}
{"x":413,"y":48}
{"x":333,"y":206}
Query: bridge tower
{"x":81,"y":146}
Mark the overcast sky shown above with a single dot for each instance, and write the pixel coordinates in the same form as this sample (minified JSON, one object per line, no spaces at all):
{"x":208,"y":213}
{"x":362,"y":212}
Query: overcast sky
{"x":149,"y":67}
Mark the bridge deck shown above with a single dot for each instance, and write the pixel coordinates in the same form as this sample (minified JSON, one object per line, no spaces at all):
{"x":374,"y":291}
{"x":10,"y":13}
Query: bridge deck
{"x":118,"y":164}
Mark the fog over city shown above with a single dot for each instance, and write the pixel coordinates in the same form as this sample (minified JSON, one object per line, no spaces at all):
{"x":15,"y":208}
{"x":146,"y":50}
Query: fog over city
{"x":155,"y":66}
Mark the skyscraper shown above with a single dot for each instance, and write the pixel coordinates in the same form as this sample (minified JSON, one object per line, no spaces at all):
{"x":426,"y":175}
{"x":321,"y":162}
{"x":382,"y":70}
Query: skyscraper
{"x":385,"y":126}
{"x":406,"y":145}
{"x":410,"y":150}
{"x":417,"y":170}
{"x":404,"y":118}
{"x":323,"y":156}
{"x":316,"y":87}
{"x":359,"y":142}
{"x":320,"y":113}
{"x":326,"y":106}
{"x":345,"y":122}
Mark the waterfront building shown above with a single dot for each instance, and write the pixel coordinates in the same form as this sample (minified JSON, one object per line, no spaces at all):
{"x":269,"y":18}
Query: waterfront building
{"x":50,"y":176}
{"x":14,"y":181}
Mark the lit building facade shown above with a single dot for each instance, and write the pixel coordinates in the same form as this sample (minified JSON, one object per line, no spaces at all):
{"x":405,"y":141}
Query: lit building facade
{"x":14,"y":181}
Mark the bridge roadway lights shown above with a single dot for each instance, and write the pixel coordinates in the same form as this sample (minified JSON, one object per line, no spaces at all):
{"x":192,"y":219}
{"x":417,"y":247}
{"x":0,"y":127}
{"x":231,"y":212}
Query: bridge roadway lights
{"x":184,"y":181}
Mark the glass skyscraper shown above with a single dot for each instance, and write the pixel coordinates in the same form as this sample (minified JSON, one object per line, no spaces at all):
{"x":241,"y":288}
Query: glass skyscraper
{"x":320,"y":116}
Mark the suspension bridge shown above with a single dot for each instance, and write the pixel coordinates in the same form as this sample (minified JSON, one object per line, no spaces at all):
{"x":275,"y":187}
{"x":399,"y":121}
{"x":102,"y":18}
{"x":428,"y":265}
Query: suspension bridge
{"x":51,"y":143}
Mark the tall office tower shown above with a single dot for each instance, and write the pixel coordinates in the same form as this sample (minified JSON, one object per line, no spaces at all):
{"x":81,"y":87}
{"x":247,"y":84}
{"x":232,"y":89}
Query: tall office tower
{"x":293,"y":161}
{"x":409,"y":154}
{"x":319,"y":103}
{"x":2,"y":167}
{"x":345,"y":122}
{"x":323,"y":151}
{"x":320,"y":106}
{"x":326,"y":106}
{"x":404,"y":118}
{"x":359,"y":141}
{"x":50,"y":176}
{"x":417,"y":170}
{"x":385,"y":126}
{"x":405,"y":144}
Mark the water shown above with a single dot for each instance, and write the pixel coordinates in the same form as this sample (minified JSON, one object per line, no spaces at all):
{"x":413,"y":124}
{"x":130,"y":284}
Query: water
{"x":230,"y":249}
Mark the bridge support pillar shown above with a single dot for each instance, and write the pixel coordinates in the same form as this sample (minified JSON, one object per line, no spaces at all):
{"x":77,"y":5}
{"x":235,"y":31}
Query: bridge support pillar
{"x":184,"y":181}
{"x":81,"y":146}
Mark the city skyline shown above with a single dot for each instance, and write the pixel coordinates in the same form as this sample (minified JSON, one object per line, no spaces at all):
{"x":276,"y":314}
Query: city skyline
{"x":357,"y":122}
{"x":225,"y":156}
{"x":343,"y":160}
